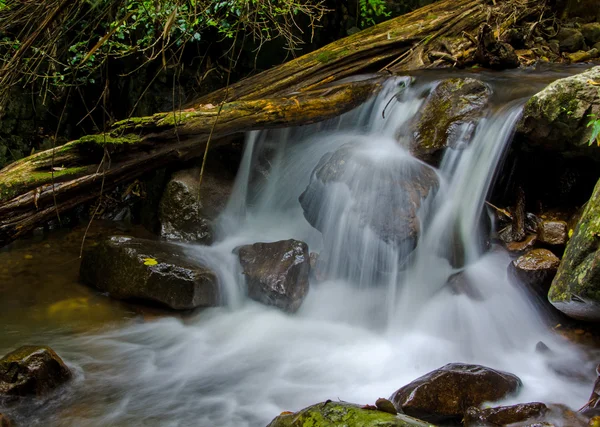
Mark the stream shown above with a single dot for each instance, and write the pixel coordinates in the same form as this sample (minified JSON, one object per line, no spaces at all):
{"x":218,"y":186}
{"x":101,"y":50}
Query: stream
{"x":370,"y":325}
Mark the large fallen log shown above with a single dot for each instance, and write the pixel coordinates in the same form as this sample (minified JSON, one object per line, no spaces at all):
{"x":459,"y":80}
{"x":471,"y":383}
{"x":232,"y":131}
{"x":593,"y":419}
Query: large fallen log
{"x":35,"y":189}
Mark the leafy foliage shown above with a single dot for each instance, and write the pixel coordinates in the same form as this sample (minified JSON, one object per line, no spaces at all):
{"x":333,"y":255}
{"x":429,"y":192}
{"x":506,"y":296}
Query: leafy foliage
{"x":371,"y":10}
{"x":595,"y":125}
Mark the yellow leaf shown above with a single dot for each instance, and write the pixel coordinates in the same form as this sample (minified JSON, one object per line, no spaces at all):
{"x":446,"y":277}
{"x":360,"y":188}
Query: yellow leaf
{"x":150,"y":261}
{"x":570,"y":233}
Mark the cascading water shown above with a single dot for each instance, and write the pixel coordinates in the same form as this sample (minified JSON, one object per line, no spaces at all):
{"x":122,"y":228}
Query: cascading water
{"x":382,"y":315}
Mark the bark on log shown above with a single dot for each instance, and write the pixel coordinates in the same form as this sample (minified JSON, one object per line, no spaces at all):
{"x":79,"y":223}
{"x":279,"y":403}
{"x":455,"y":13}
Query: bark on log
{"x":35,"y":189}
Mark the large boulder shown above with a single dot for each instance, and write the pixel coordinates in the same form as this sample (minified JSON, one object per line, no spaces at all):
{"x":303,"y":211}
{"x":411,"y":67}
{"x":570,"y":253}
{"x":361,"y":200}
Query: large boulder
{"x":570,"y":40}
{"x":556,"y":118}
{"x":449,"y":117}
{"x":504,"y":415}
{"x":276,"y":273}
{"x":591,"y":32}
{"x":337,"y":414}
{"x":160,"y":272}
{"x":31,"y":371}
{"x":189,"y":208}
{"x":535,"y":269}
{"x":576,"y":288}
{"x":443,"y":395}
{"x":367,"y":203}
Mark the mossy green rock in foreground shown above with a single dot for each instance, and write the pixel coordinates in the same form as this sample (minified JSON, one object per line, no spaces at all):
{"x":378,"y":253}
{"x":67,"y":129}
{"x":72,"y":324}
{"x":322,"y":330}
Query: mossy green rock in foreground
{"x":31,"y":371}
{"x":161,"y":272}
{"x":556,"y":118}
{"x":576,"y":288}
{"x":341,"y":414}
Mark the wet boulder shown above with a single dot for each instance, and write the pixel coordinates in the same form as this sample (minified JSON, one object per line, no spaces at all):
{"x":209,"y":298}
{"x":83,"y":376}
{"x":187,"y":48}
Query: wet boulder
{"x":148,"y":270}
{"x":31,"y":371}
{"x":443,"y":395}
{"x":367,"y":204}
{"x":504,"y":415}
{"x":576,"y":288}
{"x":336,"y":414}
{"x":449,"y":117}
{"x":189,"y":208}
{"x":535,"y":269}
{"x":553,"y":232}
{"x":276,"y":273}
{"x":556,"y":119}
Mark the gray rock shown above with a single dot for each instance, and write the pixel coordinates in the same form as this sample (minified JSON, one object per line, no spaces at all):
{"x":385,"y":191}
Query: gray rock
{"x":535,"y":269}
{"x":188,"y":210}
{"x":383,"y":196}
{"x":576,"y":288}
{"x":556,"y":118}
{"x":504,"y":415}
{"x":276,"y":273}
{"x":443,"y":395}
{"x":31,"y":371}
{"x":131,"y":268}
{"x":570,"y":40}
{"x":449,"y":117}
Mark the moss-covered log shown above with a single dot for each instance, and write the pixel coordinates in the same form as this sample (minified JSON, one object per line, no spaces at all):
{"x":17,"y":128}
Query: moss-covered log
{"x":36,"y":188}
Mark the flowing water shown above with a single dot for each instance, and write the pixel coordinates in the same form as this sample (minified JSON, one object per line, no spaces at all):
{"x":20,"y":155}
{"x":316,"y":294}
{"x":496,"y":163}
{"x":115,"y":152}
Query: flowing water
{"x":378,"y":317}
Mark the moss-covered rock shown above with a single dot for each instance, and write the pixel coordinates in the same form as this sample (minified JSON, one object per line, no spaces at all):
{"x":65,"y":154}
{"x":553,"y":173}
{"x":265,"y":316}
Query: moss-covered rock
{"x":570,"y":40}
{"x":132,"y":268}
{"x":576,"y":288}
{"x":443,"y":396}
{"x":338,"y":414}
{"x":591,"y":33}
{"x":556,"y":118}
{"x":188,"y":209}
{"x":449,"y":117}
{"x":31,"y":371}
{"x":276,"y":273}
{"x":504,"y":415}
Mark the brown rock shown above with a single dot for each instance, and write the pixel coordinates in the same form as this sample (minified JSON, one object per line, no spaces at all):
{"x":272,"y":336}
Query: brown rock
{"x":553,"y":232}
{"x":503,"y":415}
{"x":522,"y":246}
{"x":276,"y":273}
{"x":444,"y":394}
{"x":31,"y":371}
{"x":535,"y":269}
{"x":5,"y":421}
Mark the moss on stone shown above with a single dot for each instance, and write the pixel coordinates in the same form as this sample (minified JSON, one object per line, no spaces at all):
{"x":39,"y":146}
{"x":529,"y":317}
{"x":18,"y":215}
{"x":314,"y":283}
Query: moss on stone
{"x":334,"y":414}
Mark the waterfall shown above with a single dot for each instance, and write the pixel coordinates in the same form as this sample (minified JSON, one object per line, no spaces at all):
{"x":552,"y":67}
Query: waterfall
{"x":387,"y":309}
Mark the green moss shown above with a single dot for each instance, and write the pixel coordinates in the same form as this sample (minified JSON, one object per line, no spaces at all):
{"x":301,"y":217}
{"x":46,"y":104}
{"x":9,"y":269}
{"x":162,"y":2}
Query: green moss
{"x":334,"y":414}
{"x":108,"y":139}
{"x":18,"y":183}
{"x":328,"y":56}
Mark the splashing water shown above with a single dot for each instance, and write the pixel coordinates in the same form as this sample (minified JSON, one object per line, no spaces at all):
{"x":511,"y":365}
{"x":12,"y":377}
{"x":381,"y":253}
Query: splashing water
{"x":372,"y":326}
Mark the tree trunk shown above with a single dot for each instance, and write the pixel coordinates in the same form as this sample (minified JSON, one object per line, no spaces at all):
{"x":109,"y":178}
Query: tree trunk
{"x":37,"y":188}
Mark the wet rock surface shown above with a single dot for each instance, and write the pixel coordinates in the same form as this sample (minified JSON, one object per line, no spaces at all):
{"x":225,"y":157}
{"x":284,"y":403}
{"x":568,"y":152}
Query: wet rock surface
{"x":31,"y":371}
{"x":449,"y":117}
{"x":443,"y":395}
{"x":535,"y":269}
{"x":556,"y":118}
{"x":160,"y":272}
{"x":504,"y":415}
{"x":383,"y":195}
{"x":576,"y":288}
{"x":336,"y":414}
{"x":276,"y":273}
{"x":189,"y":208}
{"x":553,"y":232}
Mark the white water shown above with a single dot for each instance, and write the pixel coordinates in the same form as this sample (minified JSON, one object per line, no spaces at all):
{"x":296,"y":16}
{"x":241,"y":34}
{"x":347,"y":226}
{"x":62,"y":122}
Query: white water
{"x":243,"y":364}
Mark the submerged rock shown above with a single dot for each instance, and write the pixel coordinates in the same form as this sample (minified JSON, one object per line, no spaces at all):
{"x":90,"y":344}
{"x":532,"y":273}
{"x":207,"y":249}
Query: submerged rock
{"x":132,"y":268}
{"x":449,"y":117}
{"x":556,"y":118}
{"x":576,"y":288}
{"x":504,"y":415}
{"x":368,"y":204}
{"x":337,"y":414}
{"x":276,"y":273}
{"x":535,"y":269}
{"x":188,"y":209}
{"x":31,"y":371}
{"x":444,"y":394}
